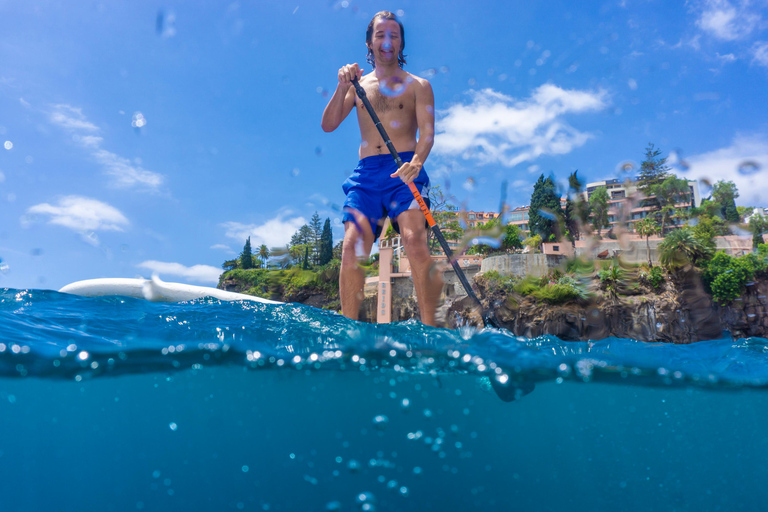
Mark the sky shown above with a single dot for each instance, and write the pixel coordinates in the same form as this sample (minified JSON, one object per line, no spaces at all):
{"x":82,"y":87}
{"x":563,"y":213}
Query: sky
{"x":154,"y":137}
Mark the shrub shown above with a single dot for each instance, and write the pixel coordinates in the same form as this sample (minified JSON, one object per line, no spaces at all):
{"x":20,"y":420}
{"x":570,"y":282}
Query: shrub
{"x":653,"y":277}
{"x":725,"y":276}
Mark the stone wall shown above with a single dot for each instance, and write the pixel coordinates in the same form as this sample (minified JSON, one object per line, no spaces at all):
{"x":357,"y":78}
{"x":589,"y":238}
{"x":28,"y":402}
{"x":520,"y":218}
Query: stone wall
{"x":535,"y":265}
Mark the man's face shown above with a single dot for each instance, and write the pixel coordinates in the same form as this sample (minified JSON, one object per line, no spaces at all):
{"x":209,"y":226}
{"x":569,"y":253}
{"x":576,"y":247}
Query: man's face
{"x":386,"y":43}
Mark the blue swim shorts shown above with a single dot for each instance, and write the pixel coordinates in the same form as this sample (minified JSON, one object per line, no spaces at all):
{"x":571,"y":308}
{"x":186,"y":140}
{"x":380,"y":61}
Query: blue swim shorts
{"x":371,"y":191}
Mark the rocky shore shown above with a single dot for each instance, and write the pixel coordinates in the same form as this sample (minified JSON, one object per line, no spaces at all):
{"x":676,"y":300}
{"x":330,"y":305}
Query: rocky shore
{"x":682,"y":313}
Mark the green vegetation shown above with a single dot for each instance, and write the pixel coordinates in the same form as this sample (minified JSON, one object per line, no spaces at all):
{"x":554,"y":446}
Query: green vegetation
{"x":726,"y":276}
{"x":286,"y":284}
{"x":681,"y":247}
{"x":652,"y":277}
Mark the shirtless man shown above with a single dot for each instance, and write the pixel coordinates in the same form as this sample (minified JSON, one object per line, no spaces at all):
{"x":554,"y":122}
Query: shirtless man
{"x":377,"y":188}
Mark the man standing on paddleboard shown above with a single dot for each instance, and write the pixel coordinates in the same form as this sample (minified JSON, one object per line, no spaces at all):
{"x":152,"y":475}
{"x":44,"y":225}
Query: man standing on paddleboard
{"x":377,"y":188}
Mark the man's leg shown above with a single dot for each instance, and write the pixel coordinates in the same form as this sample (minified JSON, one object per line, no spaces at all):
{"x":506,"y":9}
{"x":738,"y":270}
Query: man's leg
{"x":426,"y":280}
{"x":351,"y":276}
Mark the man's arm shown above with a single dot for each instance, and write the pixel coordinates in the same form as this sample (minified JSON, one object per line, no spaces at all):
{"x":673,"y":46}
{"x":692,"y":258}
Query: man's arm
{"x":343,"y":99}
{"x":425,"y":120}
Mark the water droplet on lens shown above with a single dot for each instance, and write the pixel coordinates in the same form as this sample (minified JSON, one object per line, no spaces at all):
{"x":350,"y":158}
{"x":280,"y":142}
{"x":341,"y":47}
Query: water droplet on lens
{"x":626,"y":167}
{"x":8,"y":145}
{"x":295,"y":171}
{"x":400,"y":13}
{"x":138,"y":120}
{"x":748,"y":167}
{"x":319,"y":151}
{"x":469,"y":184}
{"x":173,"y":426}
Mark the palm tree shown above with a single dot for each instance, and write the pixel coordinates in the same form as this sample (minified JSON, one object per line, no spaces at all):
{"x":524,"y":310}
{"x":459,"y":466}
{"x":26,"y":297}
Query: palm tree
{"x":264,"y":254}
{"x":646,"y":228}
{"x":680,"y":247}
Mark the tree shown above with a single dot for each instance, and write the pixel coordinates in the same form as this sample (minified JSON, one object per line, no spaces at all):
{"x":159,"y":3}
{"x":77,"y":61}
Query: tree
{"x":545,"y":213}
{"x":246,"y":257}
{"x":512,"y":239}
{"x":725,"y":193}
{"x":533,"y":243}
{"x":326,"y":243}
{"x":598,"y":204}
{"x":230,"y":265}
{"x":757,"y":225}
{"x":264,"y":254}
{"x":653,"y":170}
{"x":647,"y":228}
{"x":576,"y":209}
{"x":305,"y":264}
{"x":317,"y":232}
{"x":669,"y":193}
{"x":446,"y":216}
{"x":681,"y":247}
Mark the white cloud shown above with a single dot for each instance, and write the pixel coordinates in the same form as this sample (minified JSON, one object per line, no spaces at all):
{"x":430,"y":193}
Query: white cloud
{"x":726,"y":21}
{"x":125,"y":174}
{"x":197,"y":273}
{"x":725,"y":164}
{"x":122,"y":172}
{"x":81,"y":214}
{"x":495,"y":128}
{"x":760,"y":53}
{"x":275,"y":232}
{"x":221,"y":247}
{"x":71,"y":118}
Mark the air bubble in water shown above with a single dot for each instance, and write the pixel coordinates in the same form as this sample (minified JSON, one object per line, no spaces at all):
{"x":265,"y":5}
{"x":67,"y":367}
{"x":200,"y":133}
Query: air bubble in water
{"x":366,"y":497}
{"x":173,"y":426}
{"x":748,"y":167}
{"x":354,"y":466}
{"x":380,"y":422}
{"x":333,"y":506}
{"x":405,"y":405}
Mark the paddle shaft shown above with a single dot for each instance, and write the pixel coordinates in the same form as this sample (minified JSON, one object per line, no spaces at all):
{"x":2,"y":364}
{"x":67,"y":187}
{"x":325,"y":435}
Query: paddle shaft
{"x":487,"y":318}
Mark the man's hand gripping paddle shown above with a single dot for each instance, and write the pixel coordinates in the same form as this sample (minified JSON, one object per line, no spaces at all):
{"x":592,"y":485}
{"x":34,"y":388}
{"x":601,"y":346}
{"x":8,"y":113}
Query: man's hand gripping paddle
{"x":488,"y":318}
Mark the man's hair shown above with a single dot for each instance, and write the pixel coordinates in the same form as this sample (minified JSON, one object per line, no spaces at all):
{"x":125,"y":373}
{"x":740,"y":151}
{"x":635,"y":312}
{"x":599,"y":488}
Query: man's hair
{"x":384,"y":15}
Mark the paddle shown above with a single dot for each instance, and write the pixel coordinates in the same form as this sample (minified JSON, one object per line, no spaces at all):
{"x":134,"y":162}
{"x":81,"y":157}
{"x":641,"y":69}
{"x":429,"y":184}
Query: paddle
{"x":488,"y":318}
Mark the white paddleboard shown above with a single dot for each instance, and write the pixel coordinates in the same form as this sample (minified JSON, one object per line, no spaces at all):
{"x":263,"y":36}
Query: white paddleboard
{"x":153,"y":290}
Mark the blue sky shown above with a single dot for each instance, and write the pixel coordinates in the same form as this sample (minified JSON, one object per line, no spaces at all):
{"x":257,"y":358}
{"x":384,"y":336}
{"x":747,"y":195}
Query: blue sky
{"x":142,"y":137}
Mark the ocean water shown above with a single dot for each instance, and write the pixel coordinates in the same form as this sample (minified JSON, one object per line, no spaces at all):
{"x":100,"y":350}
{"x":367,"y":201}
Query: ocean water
{"x":115,"y":404}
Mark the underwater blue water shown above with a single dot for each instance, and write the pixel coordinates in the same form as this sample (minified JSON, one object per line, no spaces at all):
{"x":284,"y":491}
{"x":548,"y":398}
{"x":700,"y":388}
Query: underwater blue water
{"x":118,"y":404}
